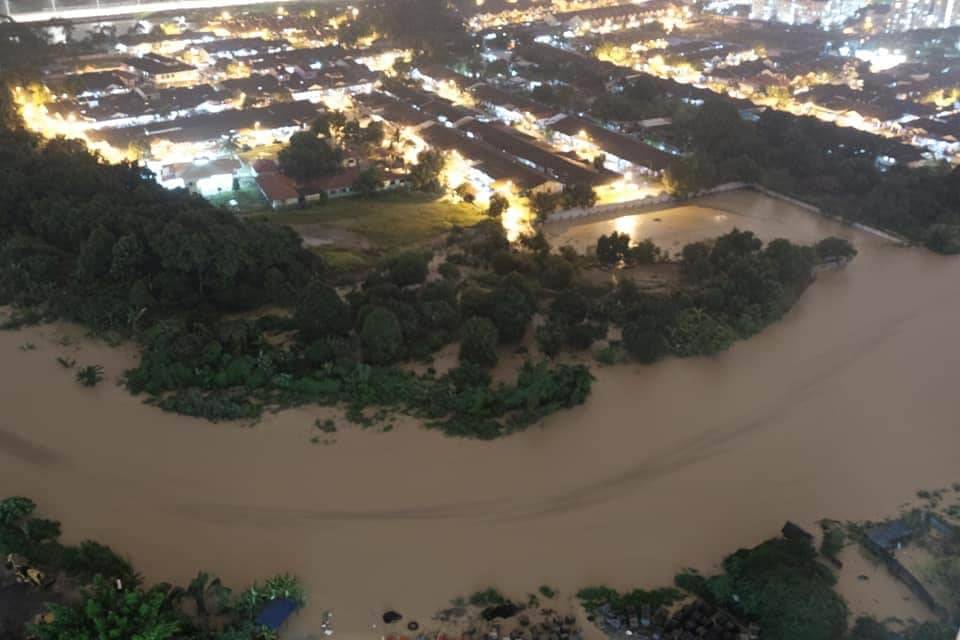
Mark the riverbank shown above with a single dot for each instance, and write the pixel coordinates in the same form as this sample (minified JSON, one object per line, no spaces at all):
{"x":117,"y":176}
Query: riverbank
{"x":801,"y":422}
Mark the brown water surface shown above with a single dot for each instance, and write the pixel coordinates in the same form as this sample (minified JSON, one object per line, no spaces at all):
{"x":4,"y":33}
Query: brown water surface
{"x":842,"y":410}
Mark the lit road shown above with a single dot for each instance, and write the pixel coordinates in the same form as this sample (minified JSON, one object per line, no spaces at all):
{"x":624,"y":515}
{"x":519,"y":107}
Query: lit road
{"x":83,"y":13}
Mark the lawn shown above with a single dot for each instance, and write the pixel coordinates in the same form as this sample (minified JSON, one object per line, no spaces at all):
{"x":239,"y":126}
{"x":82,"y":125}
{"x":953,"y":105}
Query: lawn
{"x":247,"y":197}
{"x":388,"y":222}
{"x":340,"y":259}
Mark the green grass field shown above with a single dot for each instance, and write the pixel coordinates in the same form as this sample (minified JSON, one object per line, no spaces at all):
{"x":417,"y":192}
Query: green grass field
{"x":388,"y":222}
{"x":341,"y":260}
{"x":353,"y":233}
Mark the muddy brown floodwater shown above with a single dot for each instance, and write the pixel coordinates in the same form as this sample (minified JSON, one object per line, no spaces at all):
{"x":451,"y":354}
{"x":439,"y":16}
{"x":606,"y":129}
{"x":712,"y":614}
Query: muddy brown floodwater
{"x":842,"y":410}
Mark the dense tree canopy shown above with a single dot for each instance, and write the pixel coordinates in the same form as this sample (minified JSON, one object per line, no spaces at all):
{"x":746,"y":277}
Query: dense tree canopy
{"x":306,"y":156}
{"x":107,"y":246}
{"x":833,"y":167}
{"x":781,"y":585}
{"x":579,"y":195}
{"x":425,"y":175}
{"x":107,"y":612}
{"x":430,"y":27}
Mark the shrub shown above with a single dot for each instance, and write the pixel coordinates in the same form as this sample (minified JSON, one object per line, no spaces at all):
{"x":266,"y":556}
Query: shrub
{"x":511,"y":310}
{"x":643,"y":341}
{"x":478,"y":342}
{"x":610,"y":354}
{"x":645,"y":252}
{"x":94,"y":559}
{"x":613,"y":248}
{"x":833,"y":540}
{"x":489,"y":597}
{"x":408,"y":268}
{"x":834,"y":249}
{"x":381,"y":337}
{"x":90,"y":376}
{"x":556,"y":273}
{"x":320,"y":312}
{"x":697,"y":333}
{"x":448,"y":270}
{"x":106,"y":612}
{"x":498,"y":205}
{"x":593,"y":598}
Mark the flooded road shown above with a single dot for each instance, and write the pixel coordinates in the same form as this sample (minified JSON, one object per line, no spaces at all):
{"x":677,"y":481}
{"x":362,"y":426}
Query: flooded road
{"x":843,"y":410}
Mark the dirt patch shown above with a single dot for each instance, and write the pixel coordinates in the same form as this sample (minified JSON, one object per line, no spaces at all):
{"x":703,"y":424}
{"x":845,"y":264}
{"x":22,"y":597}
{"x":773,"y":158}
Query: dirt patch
{"x":321,"y":235}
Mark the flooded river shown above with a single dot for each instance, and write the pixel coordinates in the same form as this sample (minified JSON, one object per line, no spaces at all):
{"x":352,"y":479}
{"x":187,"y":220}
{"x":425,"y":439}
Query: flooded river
{"x":842,"y":410}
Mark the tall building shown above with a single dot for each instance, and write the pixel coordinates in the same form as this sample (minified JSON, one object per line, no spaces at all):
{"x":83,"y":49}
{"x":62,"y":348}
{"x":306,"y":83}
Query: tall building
{"x":837,"y":12}
{"x":788,"y":11}
{"x":762,"y":10}
{"x":950,"y":16}
{"x":922,"y":14}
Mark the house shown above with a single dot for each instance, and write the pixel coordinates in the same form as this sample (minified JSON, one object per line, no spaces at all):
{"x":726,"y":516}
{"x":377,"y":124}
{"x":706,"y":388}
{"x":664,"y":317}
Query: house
{"x":232,"y":48}
{"x":279,"y":190}
{"x":941,"y":136}
{"x":510,"y":107}
{"x":889,"y":536}
{"x":138,"y":44}
{"x":263,"y":166}
{"x":161,"y":70}
{"x":203,"y":133}
{"x":488,"y":168}
{"x":206,"y":177}
{"x":537,"y":155}
{"x":94,"y":84}
{"x":332,"y":82}
{"x":390,"y":109}
{"x":623,"y":154}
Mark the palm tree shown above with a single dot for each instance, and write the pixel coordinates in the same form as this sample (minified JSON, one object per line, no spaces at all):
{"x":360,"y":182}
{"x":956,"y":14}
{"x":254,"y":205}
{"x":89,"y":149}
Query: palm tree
{"x":210,"y":596}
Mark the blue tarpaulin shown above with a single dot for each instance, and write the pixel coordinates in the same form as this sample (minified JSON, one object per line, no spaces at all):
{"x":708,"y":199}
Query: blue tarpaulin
{"x":276,"y":612}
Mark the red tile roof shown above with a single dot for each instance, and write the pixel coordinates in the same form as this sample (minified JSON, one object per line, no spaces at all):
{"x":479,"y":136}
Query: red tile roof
{"x":345,"y":178}
{"x":277,"y":187}
{"x":265,"y":165}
